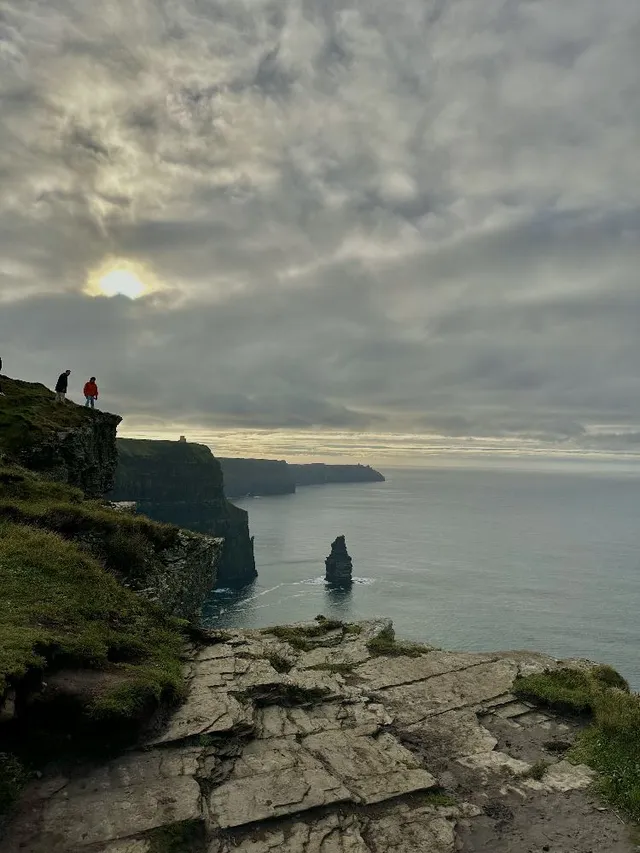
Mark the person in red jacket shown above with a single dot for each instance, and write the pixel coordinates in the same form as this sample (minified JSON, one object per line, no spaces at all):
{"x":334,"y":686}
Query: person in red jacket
{"x":90,"y":392}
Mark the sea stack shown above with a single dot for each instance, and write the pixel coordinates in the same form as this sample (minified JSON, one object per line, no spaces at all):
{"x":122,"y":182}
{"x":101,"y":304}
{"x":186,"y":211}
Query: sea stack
{"x":339,"y":565}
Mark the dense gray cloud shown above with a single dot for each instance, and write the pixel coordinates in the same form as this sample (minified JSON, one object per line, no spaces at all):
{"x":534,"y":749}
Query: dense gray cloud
{"x":418,"y":217}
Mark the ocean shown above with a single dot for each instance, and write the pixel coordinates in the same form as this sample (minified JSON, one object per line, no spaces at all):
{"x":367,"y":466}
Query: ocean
{"x":501,"y":554}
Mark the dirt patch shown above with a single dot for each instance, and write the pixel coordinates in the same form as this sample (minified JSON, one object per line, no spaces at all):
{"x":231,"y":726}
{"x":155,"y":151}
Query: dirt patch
{"x":551,"y":823}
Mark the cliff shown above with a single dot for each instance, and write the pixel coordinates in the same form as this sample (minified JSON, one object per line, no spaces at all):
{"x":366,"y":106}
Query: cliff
{"x":318,"y":473}
{"x":182,"y":483}
{"x":276,"y":477}
{"x":71,"y":455}
{"x":336,"y":738}
{"x":256,"y":477}
{"x":65,"y":443}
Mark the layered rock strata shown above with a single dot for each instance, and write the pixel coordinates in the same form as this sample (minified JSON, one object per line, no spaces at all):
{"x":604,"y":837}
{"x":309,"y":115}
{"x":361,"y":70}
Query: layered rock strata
{"x":181,"y":483}
{"x":316,"y":745}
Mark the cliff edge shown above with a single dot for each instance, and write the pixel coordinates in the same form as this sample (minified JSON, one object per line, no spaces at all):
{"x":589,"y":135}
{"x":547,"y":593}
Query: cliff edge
{"x":334,"y":738}
{"x":66,"y":442}
{"x":276,"y":477}
{"x":182,"y":483}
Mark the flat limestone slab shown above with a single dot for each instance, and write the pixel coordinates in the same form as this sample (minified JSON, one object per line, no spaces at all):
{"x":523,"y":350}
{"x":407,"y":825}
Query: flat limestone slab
{"x":273,"y":779}
{"x":475,"y":685}
{"x":383,"y":672}
{"x":93,"y":818}
{"x":362,"y":717}
{"x":205,"y":711}
{"x":372,"y":769}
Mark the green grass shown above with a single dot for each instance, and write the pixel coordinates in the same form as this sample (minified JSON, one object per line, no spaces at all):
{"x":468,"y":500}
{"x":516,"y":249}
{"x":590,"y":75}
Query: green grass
{"x":300,"y":636}
{"x":611,"y":744}
{"x":122,"y":540}
{"x":28,"y":412}
{"x":386,"y":645}
{"x":568,"y":691}
{"x":60,"y":608}
{"x":438,"y":799}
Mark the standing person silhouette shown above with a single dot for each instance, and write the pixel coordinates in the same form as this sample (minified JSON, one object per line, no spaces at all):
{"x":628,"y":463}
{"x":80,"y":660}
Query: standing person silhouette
{"x":2,"y":394}
{"x":90,"y":393}
{"x":62,"y":386}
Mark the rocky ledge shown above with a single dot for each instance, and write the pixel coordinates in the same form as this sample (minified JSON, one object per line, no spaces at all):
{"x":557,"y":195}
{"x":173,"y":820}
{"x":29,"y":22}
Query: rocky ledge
{"x":331,"y":738}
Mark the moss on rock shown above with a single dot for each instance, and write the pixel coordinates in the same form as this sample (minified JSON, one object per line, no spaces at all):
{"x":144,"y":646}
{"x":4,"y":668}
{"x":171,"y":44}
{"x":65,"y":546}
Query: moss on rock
{"x":611,"y":744}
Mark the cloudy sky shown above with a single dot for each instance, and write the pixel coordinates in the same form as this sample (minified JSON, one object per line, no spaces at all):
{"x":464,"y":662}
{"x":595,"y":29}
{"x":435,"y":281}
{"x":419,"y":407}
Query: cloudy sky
{"x":355,"y":218}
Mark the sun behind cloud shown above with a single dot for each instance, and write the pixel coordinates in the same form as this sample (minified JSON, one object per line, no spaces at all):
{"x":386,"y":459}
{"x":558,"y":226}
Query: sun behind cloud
{"x":118,"y":277}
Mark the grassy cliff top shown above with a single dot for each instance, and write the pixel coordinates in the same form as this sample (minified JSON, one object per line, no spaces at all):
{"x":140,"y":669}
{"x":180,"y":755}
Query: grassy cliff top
{"x":60,"y":607}
{"x":28,"y":413}
{"x":143,"y":449}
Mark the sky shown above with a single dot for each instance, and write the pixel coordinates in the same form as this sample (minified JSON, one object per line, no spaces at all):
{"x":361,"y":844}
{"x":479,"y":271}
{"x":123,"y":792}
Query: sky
{"x":359,"y":225}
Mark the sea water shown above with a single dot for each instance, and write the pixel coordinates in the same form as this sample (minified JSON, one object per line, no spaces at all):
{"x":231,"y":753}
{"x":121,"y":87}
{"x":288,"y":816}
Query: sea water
{"x":480,"y":556}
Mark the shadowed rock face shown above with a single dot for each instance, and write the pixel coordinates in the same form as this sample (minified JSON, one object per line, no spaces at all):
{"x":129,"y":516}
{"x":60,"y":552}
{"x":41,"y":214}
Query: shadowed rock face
{"x":343,"y":753}
{"x":66,"y":442}
{"x":339,"y":566}
{"x":181,"y":483}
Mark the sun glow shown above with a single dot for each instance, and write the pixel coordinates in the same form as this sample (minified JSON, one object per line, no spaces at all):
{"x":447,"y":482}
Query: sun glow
{"x":121,"y":283}
{"x":121,"y":278}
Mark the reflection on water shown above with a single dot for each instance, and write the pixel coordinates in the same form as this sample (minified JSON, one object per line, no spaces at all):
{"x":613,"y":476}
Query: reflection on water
{"x":232,"y":608}
{"x":464,"y":559}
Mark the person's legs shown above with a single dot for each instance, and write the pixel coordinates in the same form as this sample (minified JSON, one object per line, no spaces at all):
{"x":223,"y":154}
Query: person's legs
{"x":60,"y":396}
{"x":92,"y":402}
{"x":87,"y":402}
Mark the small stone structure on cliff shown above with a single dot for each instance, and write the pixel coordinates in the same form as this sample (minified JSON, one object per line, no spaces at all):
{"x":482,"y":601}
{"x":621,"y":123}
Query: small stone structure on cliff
{"x":339,"y":566}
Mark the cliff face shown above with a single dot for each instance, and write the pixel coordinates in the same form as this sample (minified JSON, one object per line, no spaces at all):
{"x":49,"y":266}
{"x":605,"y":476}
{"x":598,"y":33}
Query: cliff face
{"x":257,"y":477}
{"x":73,"y":446}
{"x":182,"y":484}
{"x":274,"y":477}
{"x":65,"y":443}
{"x":317,"y":473}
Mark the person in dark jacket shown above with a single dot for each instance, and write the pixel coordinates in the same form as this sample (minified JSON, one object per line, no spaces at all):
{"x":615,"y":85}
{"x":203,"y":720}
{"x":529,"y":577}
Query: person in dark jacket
{"x":62,"y":386}
{"x":90,"y":393}
{"x":2,"y":394}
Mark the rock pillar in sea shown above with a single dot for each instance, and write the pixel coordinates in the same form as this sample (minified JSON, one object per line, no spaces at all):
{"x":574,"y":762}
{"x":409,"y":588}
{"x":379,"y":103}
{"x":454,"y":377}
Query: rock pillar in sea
{"x":339,"y":565}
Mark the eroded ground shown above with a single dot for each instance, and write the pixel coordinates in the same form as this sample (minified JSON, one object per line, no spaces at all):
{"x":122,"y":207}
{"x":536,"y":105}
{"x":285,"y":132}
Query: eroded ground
{"x":346,"y":752}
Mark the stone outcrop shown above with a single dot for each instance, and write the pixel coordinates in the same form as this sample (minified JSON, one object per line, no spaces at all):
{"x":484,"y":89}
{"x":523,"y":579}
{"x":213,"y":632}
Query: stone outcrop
{"x":65,"y":443}
{"x":181,"y":483}
{"x":322,"y":747}
{"x":180,"y":576}
{"x":339,"y":567}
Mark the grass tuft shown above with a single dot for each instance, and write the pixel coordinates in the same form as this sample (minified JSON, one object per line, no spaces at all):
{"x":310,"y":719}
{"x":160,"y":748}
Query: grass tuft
{"x":59,"y":608}
{"x":386,"y":645}
{"x":611,"y":745}
{"x":537,"y":771}
{"x":279,"y":662}
{"x":300,"y":636}
{"x":123,"y":541}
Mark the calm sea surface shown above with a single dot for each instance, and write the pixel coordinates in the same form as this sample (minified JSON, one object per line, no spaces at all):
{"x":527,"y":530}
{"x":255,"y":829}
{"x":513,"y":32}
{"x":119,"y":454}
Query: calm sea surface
{"x":485,"y":558}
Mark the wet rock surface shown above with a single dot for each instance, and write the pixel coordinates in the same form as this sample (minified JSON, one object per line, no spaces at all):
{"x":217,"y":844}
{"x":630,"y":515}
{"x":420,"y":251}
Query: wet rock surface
{"x":327,"y":749}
